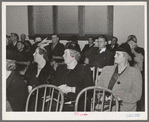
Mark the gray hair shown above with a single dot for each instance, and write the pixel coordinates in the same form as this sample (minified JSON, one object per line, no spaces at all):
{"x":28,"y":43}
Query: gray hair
{"x":76,"y":54}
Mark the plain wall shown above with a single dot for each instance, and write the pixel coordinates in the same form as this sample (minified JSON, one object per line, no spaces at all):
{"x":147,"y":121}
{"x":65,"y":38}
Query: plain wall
{"x":129,"y":20}
{"x":16,"y":20}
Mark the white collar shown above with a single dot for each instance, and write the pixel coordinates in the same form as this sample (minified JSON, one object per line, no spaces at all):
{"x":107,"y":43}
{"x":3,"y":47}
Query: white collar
{"x":15,"y":43}
{"x":8,"y":73}
{"x":103,"y":50}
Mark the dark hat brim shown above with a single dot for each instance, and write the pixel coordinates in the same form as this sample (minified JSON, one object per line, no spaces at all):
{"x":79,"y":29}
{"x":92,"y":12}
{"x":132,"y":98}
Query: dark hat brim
{"x":123,"y":48}
{"x":72,"y":46}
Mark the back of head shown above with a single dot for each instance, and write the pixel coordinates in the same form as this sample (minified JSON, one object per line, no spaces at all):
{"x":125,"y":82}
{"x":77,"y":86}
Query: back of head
{"x":38,"y":39}
{"x":74,"y":39}
{"x":132,"y":38}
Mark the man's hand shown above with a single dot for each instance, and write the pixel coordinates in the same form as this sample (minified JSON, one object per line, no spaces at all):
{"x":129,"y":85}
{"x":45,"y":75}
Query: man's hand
{"x":30,"y":89}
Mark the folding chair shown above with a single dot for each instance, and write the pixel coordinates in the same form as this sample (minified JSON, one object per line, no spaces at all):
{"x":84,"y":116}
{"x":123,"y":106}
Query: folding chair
{"x":97,"y":99}
{"x":45,"y":98}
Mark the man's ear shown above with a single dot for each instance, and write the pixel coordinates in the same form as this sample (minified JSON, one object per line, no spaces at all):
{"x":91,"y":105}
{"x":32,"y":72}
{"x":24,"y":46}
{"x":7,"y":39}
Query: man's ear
{"x":105,"y":43}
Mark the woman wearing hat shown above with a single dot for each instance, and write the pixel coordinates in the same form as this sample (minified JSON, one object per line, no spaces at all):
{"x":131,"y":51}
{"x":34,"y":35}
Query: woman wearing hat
{"x":123,"y":80}
{"x":72,"y":77}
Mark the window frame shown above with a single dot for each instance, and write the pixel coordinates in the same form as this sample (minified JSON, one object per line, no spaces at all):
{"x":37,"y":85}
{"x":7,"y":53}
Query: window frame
{"x":81,"y":24}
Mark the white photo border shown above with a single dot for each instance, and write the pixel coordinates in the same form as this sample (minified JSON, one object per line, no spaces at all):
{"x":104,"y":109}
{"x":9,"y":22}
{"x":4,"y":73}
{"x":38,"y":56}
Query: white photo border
{"x":69,"y":115}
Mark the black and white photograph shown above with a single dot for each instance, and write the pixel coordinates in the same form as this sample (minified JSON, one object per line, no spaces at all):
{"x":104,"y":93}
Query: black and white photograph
{"x":74,"y":61}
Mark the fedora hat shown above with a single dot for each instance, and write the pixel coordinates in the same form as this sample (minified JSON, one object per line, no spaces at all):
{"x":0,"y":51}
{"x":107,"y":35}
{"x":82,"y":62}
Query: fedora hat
{"x":125,"y":47}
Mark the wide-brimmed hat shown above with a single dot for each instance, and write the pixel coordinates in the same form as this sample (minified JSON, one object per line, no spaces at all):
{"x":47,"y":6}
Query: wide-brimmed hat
{"x":73,"y":46}
{"x":125,"y":47}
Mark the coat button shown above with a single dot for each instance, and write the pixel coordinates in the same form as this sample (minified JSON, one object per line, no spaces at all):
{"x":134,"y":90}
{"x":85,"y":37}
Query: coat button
{"x":118,"y":82}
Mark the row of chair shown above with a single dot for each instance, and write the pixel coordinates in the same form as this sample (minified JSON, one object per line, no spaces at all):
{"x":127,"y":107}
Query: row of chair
{"x":50,"y":98}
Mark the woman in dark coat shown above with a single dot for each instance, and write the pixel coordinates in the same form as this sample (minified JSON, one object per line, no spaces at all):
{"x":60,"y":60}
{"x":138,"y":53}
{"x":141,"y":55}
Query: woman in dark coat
{"x":16,"y":89}
{"x":72,"y":77}
{"x":40,"y":72}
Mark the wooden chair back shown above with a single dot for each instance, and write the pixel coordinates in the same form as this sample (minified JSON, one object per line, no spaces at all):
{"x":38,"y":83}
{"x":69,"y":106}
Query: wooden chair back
{"x":45,"y":98}
{"x":97,"y":99}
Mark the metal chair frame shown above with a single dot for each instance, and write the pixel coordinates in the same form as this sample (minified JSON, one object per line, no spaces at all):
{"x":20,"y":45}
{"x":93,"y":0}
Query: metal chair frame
{"x":100,"y":89}
{"x":47,"y":98}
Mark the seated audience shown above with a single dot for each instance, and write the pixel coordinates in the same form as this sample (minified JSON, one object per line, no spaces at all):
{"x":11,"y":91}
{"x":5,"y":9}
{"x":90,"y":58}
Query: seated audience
{"x":56,"y":48}
{"x":113,"y":44}
{"x":23,"y":38}
{"x":26,"y":42}
{"x":15,"y":54}
{"x":124,"y":80}
{"x":89,"y":45}
{"x":16,"y":89}
{"x":39,"y":72}
{"x":99,"y":56}
{"x":138,"y":53}
{"x":14,"y":38}
{"x":20,"y":46}
{"x":138,"y":62}
{"x":96,"y":43}
{"x":72,"y":77}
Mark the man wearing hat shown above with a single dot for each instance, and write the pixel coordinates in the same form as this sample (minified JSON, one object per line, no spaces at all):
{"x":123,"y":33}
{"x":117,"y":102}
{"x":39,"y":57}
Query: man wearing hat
{"x":124,"y":80}
{"x":72,"y":77}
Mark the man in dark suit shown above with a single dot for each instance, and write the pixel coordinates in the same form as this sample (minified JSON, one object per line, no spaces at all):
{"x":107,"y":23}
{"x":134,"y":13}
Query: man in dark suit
{"x":99,"y":56}
{"x":89,"y":45}
{"x":14,"y":38}
{"x":113,"y":44}
{"x":56,"y":48}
